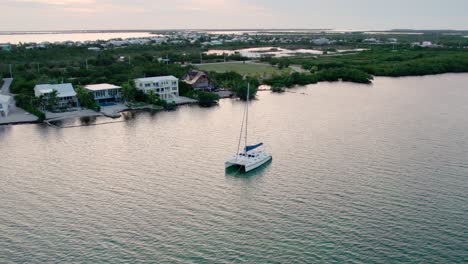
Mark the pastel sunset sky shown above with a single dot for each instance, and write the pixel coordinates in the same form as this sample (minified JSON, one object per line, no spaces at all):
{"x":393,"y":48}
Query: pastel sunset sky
{"x":222,"y":14}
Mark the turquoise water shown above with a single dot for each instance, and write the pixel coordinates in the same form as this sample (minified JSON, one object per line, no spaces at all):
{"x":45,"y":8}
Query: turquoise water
{"x":363,"y":174}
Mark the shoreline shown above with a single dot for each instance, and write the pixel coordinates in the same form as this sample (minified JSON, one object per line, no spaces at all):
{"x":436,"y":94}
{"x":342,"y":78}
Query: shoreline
{"x":112,"y":112}
{"x":150,"y":108}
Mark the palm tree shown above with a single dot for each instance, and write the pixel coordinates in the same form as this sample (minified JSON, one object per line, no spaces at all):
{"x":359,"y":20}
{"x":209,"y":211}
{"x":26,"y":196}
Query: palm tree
{"x":52,"y":100}
{"x":152,"y":97}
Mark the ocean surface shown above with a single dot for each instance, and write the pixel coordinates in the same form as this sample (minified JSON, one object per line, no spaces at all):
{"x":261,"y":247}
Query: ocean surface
{"x":360,"y":174}
{"x":75,"y":37}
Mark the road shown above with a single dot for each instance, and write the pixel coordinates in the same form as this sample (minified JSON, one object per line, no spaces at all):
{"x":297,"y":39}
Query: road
{"x":6,"y":86}
{"x":16,"y":115}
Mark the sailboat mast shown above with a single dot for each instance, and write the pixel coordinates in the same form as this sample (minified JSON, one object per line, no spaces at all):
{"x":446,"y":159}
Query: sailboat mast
{"x":247,"y":115}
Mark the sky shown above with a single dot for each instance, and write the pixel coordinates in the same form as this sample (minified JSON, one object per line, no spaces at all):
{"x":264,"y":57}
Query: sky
{"x":232,"y":14}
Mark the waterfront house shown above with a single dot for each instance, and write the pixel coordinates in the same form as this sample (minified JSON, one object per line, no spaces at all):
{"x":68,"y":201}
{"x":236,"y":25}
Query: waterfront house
{"x":66,"y":95}
{"x":167,"y":87}
{"x":105,"y":93}
{"x":5,"y":105}
{"x":198,"y":80}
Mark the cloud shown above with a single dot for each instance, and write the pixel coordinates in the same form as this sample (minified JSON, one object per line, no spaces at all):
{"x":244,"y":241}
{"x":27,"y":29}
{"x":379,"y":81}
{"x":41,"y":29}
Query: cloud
{"x":221,"y":6}
{"x":60,"y":2}
{"x":84,"y":7}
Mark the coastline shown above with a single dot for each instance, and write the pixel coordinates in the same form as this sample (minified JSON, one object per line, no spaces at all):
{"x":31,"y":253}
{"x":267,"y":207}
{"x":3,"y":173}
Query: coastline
{"x":111,"y":112}
{"x":115,"y":111}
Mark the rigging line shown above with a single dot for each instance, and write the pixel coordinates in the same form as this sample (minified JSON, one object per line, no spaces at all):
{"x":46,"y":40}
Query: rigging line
{"x":247,"y":116}
{"x":240,"y":136}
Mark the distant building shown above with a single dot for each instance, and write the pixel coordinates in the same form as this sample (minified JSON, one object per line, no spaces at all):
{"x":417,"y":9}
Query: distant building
{"x":94,"y":48}
{"x":164,"y":60}
{"x":321,"y":41}
{"x":198,"y":80}
{"x":392,"y":40}
{"x":65,"y":93}
{"x":5,"y":105}
{"x":370,"y":40}
{"x":5,"y":46}
{"x":216,"y":43}
{"x":425,"y":44}
{"x":105,"y":93}
{"x":167,"y":87}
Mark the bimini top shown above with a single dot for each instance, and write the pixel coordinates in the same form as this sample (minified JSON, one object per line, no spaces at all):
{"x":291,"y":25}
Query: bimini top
{"x":252,"y":147}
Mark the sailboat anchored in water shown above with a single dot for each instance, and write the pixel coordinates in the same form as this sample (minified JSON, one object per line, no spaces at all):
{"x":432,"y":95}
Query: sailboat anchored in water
{"x":251,"y":156}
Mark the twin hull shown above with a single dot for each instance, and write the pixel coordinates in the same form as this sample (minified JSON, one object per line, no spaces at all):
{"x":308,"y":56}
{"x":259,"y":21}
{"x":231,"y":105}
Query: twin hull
{"x":248,"y":162}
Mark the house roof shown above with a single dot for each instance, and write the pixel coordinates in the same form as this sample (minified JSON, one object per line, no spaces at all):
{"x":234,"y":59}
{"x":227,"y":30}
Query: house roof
{"x":157,"y":79}
{"x":63,"y":89}
{"x":193,"y":80}
{"x":101,"y":86}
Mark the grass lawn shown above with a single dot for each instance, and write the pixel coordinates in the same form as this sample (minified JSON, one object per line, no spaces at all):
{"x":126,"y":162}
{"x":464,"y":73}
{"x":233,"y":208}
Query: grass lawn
{"x":242,"y":68}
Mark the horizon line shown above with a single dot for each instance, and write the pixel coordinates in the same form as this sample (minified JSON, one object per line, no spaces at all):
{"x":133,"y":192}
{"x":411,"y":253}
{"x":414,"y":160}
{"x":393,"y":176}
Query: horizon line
{"x":232,"y":29}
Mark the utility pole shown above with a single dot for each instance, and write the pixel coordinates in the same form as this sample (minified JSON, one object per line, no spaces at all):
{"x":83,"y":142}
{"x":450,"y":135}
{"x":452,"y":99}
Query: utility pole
{"x":201,"y":58}
{"x":38,"y":68}
{"x":11,"y":72}
{"x":87,"y":64}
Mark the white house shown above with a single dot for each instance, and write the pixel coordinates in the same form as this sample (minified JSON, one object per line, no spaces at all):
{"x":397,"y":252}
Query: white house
{"x":370,"y":40}
{"x":426,"y":44}
{"x":321,"y":41}
{"x":65,"y":93}
{"x":105,"y":92}
{"x":5,"y":103}
{"x":167,"y":87}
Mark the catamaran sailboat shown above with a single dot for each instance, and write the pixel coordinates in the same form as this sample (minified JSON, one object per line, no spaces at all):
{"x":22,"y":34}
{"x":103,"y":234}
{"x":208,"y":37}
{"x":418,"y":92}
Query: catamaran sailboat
{"x":251,"y":156}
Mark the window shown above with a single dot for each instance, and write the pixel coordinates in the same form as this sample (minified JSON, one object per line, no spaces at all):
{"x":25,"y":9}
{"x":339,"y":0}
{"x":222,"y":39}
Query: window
{"x":147,"y":84}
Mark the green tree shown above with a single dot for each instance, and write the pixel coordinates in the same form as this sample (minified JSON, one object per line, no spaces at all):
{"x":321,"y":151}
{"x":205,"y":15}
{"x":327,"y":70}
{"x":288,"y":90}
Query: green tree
{"x":86,"y":99}
{"x":52,"y":100}
{"x":184,"y":88}
{"x":153,"y":97}
{"x":241,"y":88}
{"x":128,"y":92}
{"x":207,"y":99}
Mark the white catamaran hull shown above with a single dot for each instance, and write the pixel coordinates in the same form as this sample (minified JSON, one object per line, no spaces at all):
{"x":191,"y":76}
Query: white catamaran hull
{"x":249,"y":161}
